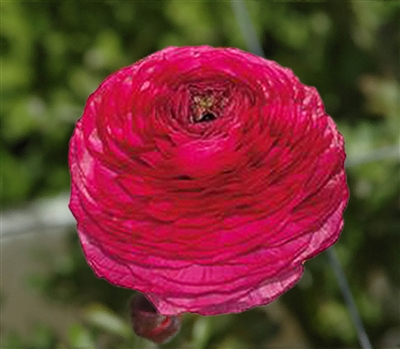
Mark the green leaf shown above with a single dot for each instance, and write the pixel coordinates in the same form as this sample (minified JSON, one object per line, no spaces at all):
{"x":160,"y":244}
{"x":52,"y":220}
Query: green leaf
{"x":80,"y":337}
{"x":103,"y":318}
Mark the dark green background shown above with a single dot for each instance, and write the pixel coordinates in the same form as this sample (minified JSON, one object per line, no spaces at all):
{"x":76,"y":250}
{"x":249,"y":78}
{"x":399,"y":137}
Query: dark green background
{"x":54,"y":54}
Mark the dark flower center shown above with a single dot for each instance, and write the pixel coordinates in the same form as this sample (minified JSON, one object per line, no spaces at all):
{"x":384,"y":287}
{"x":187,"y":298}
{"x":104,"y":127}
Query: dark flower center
{"x":205,"y":117}
{"x":205,"y":107}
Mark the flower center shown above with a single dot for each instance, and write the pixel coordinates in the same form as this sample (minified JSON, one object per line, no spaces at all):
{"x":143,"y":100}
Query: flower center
{"x":206,"y":117}
{"x":205,"y":108}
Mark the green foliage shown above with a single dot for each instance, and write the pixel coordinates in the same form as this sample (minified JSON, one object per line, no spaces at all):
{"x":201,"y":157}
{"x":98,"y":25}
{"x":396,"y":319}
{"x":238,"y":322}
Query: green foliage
{"x":54,"y":54}
{"x":41,"y":337}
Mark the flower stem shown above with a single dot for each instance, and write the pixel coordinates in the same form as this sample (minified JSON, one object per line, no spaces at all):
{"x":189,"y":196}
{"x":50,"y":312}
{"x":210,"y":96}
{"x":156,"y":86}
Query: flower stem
{"x":247,"y":28}
{"x":348,"y":298}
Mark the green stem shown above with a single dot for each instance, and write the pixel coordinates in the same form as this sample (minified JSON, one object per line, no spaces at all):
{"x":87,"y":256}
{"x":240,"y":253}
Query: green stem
{"x":253,"y":44}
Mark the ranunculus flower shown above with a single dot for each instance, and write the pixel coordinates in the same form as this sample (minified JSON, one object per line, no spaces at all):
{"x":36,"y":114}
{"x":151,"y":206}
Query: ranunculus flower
{"x":205,"y":178}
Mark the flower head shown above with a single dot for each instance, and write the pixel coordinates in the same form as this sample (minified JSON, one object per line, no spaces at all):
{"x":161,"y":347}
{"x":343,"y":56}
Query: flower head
{"x":205,"y":178}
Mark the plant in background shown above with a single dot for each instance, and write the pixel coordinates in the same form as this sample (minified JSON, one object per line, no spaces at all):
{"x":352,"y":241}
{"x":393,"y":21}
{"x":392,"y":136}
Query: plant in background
{"x":205,"y":178}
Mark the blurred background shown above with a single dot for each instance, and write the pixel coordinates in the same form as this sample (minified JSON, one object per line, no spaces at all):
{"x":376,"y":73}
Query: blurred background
{"x":54,"y":54}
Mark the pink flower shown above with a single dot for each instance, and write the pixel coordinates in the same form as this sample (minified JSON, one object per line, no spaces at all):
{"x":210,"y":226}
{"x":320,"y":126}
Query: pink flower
{"x":205,"y":178}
